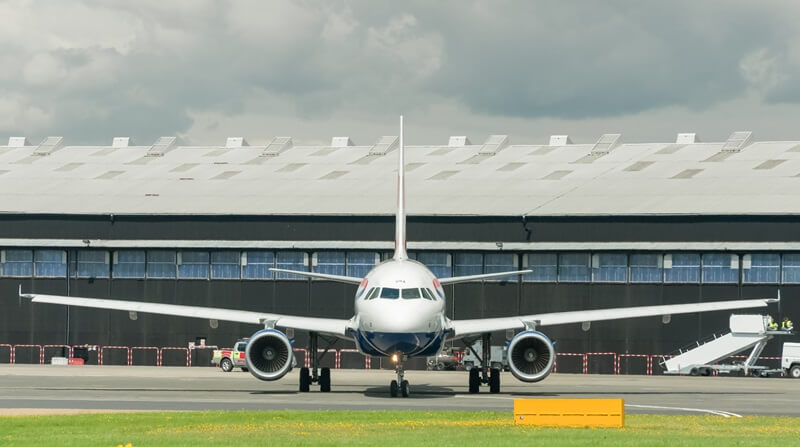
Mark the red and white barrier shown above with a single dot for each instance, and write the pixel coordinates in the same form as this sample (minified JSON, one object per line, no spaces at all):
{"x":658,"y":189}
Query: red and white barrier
{"x":194,"y":348}
{"x":10,"y":353}
{"x":584,"y":361}
{"x":145,"y":349}
{"x":14,"y":352}
{"x":128,"y":354}
{"x":350,"y":351}
{"x":185,"y":351}
{"x":46,"y":347}
{"x":648,"y":362}
{"x":605,"y":354}
{"x":367,"y":362}
{"x":306,"y":358}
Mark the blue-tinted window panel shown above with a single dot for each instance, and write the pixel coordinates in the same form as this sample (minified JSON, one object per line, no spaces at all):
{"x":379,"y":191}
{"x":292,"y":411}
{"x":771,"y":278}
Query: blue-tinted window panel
{"x":225,"y":264}
{"x":129,"y":264}
{"x":544,"y":266}
{"x":50,"y":263}
{"x":646,"y":268}
{"x":500,"y":262}
{"x":290,"y":260}
{"x":574,"y":267}
{"x":764,"y":268}
{"x":717,"y":268}
{"x":359,"y":263}
{"x":610,"y":267}
{"x":193,"y":265}
{"x":439,"y":263}
{"x":330,"y":262}
{"x":92,"y":264}
{"x":258,"y":265}
{"x":467,"y":264}
{"x":161,"y":264}
{"x":18,"y":263}
{"x":791,"y":268}
{"x":685,"y":268}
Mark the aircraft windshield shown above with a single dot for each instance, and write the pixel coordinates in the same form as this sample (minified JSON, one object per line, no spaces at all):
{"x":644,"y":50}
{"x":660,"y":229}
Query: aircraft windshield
{"x":427,"y":294}
{"x":410,"y":294}
{"x":373,"y":292}
{"x":391,"y":294}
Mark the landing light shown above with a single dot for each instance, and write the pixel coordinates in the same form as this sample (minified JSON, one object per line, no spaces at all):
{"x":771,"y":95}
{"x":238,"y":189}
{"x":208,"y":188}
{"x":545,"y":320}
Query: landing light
{"x":394,"y":358}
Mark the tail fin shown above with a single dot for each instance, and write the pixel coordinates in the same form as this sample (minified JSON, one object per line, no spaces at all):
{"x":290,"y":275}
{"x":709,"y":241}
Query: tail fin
{"x":400,"y":218}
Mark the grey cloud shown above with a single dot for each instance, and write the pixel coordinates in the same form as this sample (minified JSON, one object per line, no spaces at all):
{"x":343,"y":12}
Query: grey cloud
{"x":161,"y":63}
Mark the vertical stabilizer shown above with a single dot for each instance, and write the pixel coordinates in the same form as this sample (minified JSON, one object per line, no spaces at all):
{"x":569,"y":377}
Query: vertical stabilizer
{"x":400,"y":222}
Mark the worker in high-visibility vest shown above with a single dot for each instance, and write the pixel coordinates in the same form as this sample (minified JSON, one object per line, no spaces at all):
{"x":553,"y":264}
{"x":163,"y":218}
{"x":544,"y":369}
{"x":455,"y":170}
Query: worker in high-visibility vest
{"x":772,"y":324}
{"x":786,"y":324}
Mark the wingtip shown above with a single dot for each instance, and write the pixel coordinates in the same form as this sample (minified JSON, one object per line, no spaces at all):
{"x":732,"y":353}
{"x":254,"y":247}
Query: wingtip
{"x":24,"y":295}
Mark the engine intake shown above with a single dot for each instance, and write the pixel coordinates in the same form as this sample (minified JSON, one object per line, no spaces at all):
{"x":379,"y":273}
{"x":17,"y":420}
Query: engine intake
{"x":269,"y":354}
{"x":531,"y":356}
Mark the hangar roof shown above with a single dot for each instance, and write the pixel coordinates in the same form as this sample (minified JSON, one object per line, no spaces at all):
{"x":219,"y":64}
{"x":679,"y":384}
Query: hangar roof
{"x":608,"y":177}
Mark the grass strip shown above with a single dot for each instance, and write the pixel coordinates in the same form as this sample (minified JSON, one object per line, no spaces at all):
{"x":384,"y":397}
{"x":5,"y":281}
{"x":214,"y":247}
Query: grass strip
{"x":390,"y":428}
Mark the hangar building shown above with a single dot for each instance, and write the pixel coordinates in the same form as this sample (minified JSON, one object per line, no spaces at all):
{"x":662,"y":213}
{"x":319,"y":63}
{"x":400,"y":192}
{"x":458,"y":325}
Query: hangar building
{"x":604,"y":224}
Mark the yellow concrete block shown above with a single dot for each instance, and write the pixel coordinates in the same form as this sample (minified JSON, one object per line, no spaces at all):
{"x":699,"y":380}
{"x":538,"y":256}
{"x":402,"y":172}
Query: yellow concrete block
{"x":570,"y":412}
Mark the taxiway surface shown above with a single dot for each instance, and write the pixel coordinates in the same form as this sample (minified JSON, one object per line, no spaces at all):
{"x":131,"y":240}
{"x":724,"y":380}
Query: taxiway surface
{"x":205,"y":388}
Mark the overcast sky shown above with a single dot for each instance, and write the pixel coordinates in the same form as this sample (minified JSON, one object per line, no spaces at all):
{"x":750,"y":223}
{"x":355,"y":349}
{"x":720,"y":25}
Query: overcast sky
{"x":207,"y":69}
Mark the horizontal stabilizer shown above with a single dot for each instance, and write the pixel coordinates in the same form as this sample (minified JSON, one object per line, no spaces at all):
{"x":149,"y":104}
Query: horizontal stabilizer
{"x":458,"y":279}
{"x":339,"y":278}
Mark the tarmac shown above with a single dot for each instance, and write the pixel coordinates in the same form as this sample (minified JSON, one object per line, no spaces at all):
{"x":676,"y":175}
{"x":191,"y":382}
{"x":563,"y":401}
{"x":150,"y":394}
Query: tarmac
{"x":47,"y":389}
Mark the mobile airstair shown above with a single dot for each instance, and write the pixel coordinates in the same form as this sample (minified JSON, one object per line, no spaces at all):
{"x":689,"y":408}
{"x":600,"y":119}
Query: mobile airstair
{"x":747,"y":331}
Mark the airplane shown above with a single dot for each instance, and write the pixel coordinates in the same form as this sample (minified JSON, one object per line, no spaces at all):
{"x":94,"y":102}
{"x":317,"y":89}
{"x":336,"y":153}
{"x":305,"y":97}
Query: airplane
{"x":399,"y":313}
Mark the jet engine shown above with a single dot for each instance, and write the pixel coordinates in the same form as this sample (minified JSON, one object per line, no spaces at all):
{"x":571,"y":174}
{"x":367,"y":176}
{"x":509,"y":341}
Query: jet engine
{"x":531,"y":356}
{"x":269,"y":355}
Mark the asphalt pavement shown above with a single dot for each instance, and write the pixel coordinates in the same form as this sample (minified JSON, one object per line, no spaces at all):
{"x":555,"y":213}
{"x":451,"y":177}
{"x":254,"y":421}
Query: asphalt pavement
{"x":205,"y":388}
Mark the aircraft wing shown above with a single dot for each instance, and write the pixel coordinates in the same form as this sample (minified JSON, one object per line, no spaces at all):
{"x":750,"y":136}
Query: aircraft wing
{"x":323,"y":325}
{"x":463,"y":328}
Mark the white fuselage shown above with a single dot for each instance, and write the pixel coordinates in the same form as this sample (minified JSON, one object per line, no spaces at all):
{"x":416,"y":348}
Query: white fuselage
{"x":399,"y":309}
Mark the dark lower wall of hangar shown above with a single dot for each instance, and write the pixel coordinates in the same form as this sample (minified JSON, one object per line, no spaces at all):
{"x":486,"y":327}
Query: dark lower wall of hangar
{"x":420,"y":228}
{"x":24,"y":322}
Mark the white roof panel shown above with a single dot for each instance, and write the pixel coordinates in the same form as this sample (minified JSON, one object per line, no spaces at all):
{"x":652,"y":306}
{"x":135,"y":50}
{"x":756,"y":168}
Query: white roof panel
{"x":763,"y":177}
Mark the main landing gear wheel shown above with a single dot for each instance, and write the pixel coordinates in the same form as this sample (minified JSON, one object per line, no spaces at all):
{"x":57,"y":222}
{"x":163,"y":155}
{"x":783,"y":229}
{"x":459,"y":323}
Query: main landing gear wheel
{"x":305,"y":380}
{"x":494,"y":381}
{"x":404,"y":390}
{"x":226,"y":364}
{"x":325,"y":380}
{"x":474,"y":380}
{"x":393,"y":388}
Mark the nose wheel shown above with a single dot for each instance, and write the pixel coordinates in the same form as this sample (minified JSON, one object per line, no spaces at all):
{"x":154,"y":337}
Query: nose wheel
{"x":399,"y":386}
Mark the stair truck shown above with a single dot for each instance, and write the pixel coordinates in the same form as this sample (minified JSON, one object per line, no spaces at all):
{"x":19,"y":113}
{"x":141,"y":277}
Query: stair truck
{"x":746,"y":331}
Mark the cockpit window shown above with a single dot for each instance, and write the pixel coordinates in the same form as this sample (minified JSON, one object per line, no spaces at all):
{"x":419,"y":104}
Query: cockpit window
{"x":373,"y":292}
{"x":410,"y":294}
{"x":389,"y":293}
{"x":428,"y":294}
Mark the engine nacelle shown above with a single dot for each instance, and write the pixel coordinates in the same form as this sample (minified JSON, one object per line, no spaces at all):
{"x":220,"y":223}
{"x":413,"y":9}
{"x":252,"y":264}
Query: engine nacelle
{"x":531,"y":356}
{"x":269,"y":354}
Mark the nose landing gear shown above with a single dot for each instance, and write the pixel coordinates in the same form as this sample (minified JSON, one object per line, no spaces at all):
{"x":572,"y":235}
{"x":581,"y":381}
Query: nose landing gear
{"x":400,"y":385}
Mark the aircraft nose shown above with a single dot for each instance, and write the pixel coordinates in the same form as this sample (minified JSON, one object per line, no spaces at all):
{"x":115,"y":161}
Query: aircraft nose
{"x":398,"y":322}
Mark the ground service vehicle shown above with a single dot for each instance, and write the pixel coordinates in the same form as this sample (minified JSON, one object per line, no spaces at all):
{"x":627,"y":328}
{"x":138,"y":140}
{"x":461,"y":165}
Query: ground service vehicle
{"x":445,"y":360}
{"x":227,"y":359}
{"x":790,"y":360}
{"x":498,"y":357}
